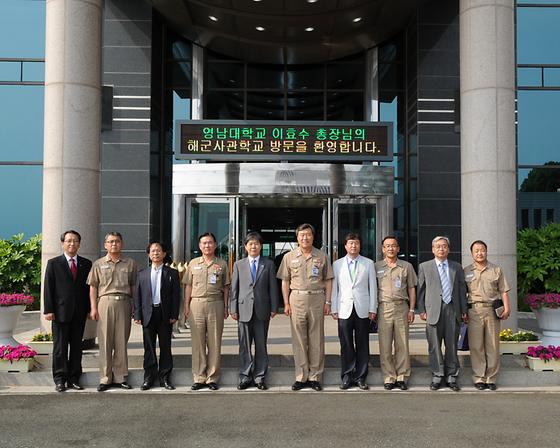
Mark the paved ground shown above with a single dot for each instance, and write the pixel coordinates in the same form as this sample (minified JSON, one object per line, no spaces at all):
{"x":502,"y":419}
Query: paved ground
{"x":280,"y":420}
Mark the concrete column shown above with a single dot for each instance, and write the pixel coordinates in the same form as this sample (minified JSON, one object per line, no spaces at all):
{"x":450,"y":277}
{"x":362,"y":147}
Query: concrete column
{"x":488,"y":154}
{"x":72,"y":124}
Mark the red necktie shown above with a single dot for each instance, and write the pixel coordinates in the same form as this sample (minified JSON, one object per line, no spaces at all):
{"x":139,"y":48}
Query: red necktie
{"x":73,"y":268}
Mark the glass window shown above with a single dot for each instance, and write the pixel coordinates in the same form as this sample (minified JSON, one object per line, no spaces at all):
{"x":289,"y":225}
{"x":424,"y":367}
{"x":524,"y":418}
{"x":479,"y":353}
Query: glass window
{"x":345,"y":106}
{"x":539,"y":191}
{"x":23,"y":206}
{"x":530,"y":77}
{"x":179,"y":74}
{"x":265,"y":105}
{"x":226,"y":75}
{"x":265,"y":76}
{"x":538,"y":39}
{"x":345,"y":76}
{"x":305,"y":105}
{"x":21,"y":115}
{"x":538,"y":131}
{"x":10,"y":71}
{"x":552,"y":77}
{"x":224,"y":106}
{"x":305,"y":77}
{"x":179,"y":48}
{"x":22,"y":29}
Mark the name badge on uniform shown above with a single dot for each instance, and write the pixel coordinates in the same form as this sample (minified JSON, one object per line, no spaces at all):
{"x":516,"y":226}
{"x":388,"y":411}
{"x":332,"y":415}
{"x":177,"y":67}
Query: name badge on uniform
{"x":197,"y":268}
{"x":314,"y":271}
{"x":398,"y":283}
{"x":213,"y":279}
{"x":469,"y":277}
{"x":104,"y":266}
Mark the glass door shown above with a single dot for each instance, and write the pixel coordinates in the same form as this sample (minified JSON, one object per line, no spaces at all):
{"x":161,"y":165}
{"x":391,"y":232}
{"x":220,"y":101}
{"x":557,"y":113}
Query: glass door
{"x":218,"y":215}
{"x":356,"y":216}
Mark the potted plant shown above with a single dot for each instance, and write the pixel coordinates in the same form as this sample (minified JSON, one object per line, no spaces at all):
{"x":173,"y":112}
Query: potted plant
{"x":42,"y":343}
{"x":17,"y":358}
{"x":544,"y":358}
{"x":11,"y":307}
{"x":516,"y":343}
{"x":538,"y":277}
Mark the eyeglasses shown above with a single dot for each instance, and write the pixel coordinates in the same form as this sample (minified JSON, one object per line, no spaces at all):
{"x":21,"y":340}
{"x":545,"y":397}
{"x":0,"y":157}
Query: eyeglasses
{"x":71,"y":241}
{"x":390,"y":246}
{"x":111,"y":242}
{"x":441,"y":246}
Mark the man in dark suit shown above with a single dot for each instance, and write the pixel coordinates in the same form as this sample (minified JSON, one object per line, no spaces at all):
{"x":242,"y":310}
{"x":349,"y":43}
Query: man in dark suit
{"x":156,"y":307}
{"x":442,"y":303}
{"x":254,"y":301}
{"x":66,"y":305}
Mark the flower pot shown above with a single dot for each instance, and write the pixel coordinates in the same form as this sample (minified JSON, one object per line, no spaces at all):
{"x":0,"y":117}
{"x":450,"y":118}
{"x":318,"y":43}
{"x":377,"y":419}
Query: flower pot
{"x":41,"y":347}
{"x":516,"y":348}
{"x":9,"y":316}
{"x":549,"y":323}
{"x":540,"y":365}
{"x":22,"y":365}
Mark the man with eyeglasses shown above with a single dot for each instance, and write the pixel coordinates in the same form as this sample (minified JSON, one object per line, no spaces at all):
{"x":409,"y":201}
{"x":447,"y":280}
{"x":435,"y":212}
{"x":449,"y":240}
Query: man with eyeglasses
{"x":396,"y":282}
{"x":442,"y":303}
{"x":66,"y":305}
{"x":111,"y":281}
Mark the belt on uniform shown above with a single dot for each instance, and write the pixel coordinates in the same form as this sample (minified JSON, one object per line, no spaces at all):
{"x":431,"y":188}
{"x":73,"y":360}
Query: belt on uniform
{"x":156,"y":305}
{"x":309,"y":291}
{"x":479,"y":305}
{"x":116,"y":297}
{"x":210,"y":299}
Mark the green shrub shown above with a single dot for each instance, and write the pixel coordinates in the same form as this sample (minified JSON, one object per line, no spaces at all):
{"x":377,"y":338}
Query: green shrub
{"x":42,"y":337}
{"x":538,"y":261}
{"x":20,"y":267}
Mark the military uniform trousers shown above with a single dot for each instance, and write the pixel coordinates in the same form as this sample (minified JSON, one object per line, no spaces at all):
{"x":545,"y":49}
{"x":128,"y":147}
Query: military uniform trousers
{"x":207,"y":325}
{"x":113,"y":331}
{"x":308,"y":334}
{"x":392,"y":318}
{"x":484,"y":343}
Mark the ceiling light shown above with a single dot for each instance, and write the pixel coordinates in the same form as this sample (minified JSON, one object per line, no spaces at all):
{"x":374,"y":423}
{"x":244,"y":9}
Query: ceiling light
{"x":309,"y":28}
{"x":357,"y":19}
{"x":260,"y":28}
{"x":312,"y":1}
{"x":213,"y":18}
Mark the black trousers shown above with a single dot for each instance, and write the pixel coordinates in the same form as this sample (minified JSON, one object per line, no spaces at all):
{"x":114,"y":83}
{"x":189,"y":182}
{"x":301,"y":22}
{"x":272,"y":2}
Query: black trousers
{"x":161,"y":329}
{"x":354,"y":347}
{"x":67,"y":350}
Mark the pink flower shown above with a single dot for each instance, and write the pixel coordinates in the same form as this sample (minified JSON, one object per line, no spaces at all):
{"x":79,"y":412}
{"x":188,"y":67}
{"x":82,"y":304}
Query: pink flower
{"x":545,"y":353}
{"x":548,"y":300}
{"x":9,"y":353}
{"x":15,"y":299}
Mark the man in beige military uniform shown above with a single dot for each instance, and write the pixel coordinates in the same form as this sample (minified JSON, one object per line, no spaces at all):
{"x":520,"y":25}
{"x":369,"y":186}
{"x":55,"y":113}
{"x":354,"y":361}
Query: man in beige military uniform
{"x":111,"y":280}
{"x":306,"y":275}
{"x":396,"y":281}
{"x":485,"y":283}
{"x":206,"y":306}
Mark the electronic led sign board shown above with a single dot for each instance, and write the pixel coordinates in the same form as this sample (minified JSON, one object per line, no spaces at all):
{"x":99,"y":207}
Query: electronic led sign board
{"x":282,"y":140}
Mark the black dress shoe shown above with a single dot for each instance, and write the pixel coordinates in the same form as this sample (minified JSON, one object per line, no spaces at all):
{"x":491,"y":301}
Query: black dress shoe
{"x":362,"y":385}
{"x":167,"y":385}
{"x":124,"y":385}
{"x":454,"y":386}
{"x":434,"y":386}
{"x":244,"y":385}
{"x":213,"y":386}
{"x":389,"y":386}
{"x":401,"y":385}
{"x":315,"y":385}
{"x":198,"y":386}
{"x":491,"y":386}
{"x":480,"y":386}
{"x":298,"y":385}
{"x":146,"y":385}
{"x":59,"y":387}
{"x":75,"y":386}
{"x":346,"y":385}
{"x":102,"y":387}
{"x":262,"y":386}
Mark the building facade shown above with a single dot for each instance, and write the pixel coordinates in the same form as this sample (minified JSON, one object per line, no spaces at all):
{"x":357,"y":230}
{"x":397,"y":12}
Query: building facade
{"x":122,"y":77}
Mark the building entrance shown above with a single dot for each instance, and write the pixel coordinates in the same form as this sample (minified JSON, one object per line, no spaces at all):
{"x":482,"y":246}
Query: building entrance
{"x":275,"y":210}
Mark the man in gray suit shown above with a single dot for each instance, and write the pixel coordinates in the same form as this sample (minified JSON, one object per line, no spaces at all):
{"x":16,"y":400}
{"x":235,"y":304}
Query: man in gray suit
{"x":442,"y":303}
{"x":254,"y":301}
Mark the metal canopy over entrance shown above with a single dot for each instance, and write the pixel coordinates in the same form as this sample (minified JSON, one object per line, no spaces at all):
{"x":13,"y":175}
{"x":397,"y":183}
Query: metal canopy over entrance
{"x":230,"y":199}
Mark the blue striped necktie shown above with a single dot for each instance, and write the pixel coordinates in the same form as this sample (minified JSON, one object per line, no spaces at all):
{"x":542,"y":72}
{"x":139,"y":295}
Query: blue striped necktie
{"x":254,"y":269}
{"x":445,"y":284}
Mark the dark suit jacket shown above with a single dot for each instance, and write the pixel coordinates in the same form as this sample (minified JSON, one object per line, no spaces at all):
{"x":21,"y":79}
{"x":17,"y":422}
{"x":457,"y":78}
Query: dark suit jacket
{"x":429,"y":290}
{"x":262,"y":296}
{"x":169,"y":295}
{"x":65,"y":297}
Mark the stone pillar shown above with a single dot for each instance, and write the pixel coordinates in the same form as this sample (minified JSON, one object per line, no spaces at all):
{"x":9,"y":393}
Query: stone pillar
{"x":488,"y":153}
{"x":72,"y":124}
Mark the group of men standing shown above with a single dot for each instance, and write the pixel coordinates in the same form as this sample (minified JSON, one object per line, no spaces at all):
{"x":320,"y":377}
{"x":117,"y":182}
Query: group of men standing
{"x":356,"y":291}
